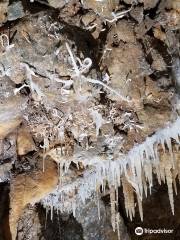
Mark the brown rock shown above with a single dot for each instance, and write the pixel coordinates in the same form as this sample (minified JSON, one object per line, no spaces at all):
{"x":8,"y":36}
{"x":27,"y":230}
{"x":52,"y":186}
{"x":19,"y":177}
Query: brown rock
{"x":124,"y":30}
{"x":173,"y":18}
{"x":100,"y":7}
{"x":176,"y":5}
{"x":92,"y":229}
{"x":153,"y":118}
{"x":18,"y":75}
{"x":57,"y":3}
{"x":25,"y":141}
{"x":144,"y":27}
{"x":128,"y":1}
{"x":159,"y":34}
{"x":158,"y":61}
{"x":29,"y":226}
{"x":88,"y":18}
{"x":137,"y":14}
{"x":127,"y":66}
{"x":107,"y":129}
{"x":10,"y":116}
{"x":149,"y":4}
{"x":157,"y":109}
{"x":93,"y":23}
{"x":70,"y":9}
{"x":3,"y":11}
{"x":29,"y":189}
{"x":8,"y":126}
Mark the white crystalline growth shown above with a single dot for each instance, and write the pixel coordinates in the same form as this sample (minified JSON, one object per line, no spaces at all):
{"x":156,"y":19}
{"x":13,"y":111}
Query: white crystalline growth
{"x":136,"y":168}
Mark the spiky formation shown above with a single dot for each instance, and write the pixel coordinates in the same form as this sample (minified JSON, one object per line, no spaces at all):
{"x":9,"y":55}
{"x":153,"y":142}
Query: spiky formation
{"x":134,"y":171}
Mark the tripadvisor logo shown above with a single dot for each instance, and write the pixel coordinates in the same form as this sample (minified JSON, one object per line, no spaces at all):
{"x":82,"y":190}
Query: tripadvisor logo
{"x":139,"y":231}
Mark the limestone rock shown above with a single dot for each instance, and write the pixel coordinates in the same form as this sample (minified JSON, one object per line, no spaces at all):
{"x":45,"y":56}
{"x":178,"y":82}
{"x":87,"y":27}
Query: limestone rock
{"x":10,"y":116}
{"x":9,"y":126}
{"x":15,"y":11}
{"x":57,"y":3}
{"x":153,"y":118}
{"x":18,"y":75}
{"x":149,"y":4}
{"x":137,"y":14}
{"x":100,"y":7}
{"x":70,"y":9}
{"x":3,"y":11}
{"x":88,"y":18}
{"x":176,"y":5}
{"x":95,"y":228}
{"x":159,"y":34}
{"x":93,"y":23}
{"x":7,"y":156}
{"x":29,"y":189}
{"x":127,"y":66}
{"x":4,"y":171}
{"x":61,"y":73}
{"x":29,"y":226}
{"x":25,"y":141}
{"x":124,"y":30}
{"x":128,"y":1}
{"x":158,"y":61}
{"x":144,"y":27}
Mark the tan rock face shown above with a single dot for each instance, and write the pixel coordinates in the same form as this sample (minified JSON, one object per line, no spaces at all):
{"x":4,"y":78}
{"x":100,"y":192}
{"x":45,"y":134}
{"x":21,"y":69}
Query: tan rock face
{"x":3,"y":10}
{"x":124,"y":30}
{"x":149,"y":4}
{"x":176,"y":5}
{"x":104,"y":8}
{"x":29,"y":225}
{"x":8,"y":127}
{"x":29,"y":189}
{"x":137,"y":14}
{"x":127,"y":66}
{"x":25,"y":141}
{"x":93,"y":23}
{"x":71,"y":105}
{"x":56,"y":3}
{"x":10,"y":116}
{"x":101,"y":229}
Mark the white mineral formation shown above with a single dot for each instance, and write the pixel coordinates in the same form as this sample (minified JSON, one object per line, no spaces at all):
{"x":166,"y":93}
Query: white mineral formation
{"x":134,"y":171}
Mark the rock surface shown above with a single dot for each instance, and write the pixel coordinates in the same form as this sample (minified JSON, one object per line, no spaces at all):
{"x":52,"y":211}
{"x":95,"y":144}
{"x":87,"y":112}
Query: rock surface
{"x":3,"y":11}
{"x":81,"y":84}
{"x":29,"y":189}
{"x":95,"y":228}
{"x":15,"y":11}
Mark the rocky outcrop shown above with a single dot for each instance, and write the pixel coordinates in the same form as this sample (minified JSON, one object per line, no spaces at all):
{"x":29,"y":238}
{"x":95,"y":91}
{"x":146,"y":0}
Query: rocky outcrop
{"x":89,"y":103}
{"x":3,"y":11}
{"x":29,"y":189}
{"x":96,"y":224}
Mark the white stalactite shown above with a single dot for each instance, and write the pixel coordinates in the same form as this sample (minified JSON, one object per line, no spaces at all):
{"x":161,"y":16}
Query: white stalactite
{"x":134,"y":169}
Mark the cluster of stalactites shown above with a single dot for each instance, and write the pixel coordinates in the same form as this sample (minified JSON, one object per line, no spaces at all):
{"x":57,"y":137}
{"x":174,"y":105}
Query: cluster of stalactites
{"x":157,"y":155}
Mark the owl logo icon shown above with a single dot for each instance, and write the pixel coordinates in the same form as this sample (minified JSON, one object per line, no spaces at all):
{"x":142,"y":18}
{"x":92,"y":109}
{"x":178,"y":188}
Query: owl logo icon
{"x":139,"y":231}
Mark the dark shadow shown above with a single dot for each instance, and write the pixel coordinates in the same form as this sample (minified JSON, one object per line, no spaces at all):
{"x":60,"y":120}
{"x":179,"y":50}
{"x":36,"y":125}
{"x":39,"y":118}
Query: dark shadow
{"x":59,"y":228}
{"x":4,"y":212}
